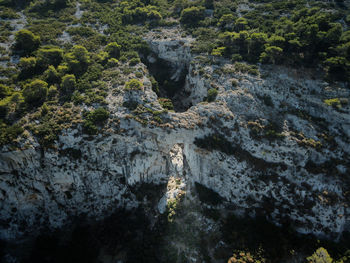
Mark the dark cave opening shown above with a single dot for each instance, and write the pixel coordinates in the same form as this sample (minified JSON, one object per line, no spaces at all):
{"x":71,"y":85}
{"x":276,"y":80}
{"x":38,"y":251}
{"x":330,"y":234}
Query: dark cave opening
{"x":171,"y":81}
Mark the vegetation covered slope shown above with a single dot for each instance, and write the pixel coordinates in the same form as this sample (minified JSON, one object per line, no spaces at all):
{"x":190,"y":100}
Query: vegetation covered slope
{"x":67,"y":47}
{"x":56,"y":69}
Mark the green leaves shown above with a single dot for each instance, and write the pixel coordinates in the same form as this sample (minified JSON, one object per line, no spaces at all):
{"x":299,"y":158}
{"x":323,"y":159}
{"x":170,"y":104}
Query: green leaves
{"x":26,"y":41}
{"x":272,"y":55}
{"x":9,"y":133}
{"x":192,"y":15}
{"x":93,"y":118}
{"x":320,"y":256}
{"x":212,"y":93}
{"x":68,"y":83}
{"x":78,"y":59}
{"x":35,"y":92}
{"x":113,"y":50}
{"x":133,"y":84}
{"x":49,"y":55}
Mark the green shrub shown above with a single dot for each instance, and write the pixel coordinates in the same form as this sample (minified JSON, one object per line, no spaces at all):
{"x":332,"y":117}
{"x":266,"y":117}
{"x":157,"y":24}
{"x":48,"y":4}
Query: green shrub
{"x":26,"y":41}
{"x":236,"y":57}
{"x":93,"y":118}
{"x":13,"y":103}
{"x":219,"y":51}
{"x":49,"y":55}
{"x":62,"y":69}
{"x":166,"y":103}
{"x":89,"y":128}
{"x":78,"y":59}
{"x":35,"y":92}
{"x":141,"y":14}
{"x":44,"y":109}
{"x":243,"y":256}
{"x":133,"y":84}
{"x":192,"y":15}
{"x":272,"y":55}
{"x":241,"y":24}
{"x":234,"y":83}
{"x":138,"y":74}
{"x":51,"y":75}
{"x":212,"y":93}
{"x":52,"y":92}
{"x":113,"y":49}
{"x":4,"y":107}
{"x":335,"y":102}
{"x":112,"y":62}
{"x":4,"y":91}
{"x":226,"y":21}
{"x":245,"y":68}
{"x":338,"y":67}
{"x":47,"y":131}
{"x":98,"y":116}
{"x":123,"y":59}
{"x":134,"y":61}
{"x":320,"y":256}
{"x":27,"y":64}
{"x":9,"y":133}
{"x":102,"y":57}
{"x":68,"y":83}
{"x":7,"y":13}
{"x":155,"y":85}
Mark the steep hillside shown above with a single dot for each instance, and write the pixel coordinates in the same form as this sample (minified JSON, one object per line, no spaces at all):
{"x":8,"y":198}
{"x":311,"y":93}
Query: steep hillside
{"x":199,"y":129}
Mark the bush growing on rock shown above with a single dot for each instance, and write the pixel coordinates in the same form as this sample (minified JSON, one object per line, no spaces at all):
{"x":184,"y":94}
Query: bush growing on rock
{"x":133,"y":84}
{"x":155,"y":85}
{"x":4,"y":91}
{"x":134,"y":61}
{"x":219,"y":51}
{"x":13,"y":102}
{"x":102,"y":57}
{"x":78,"y":59}
{"x":93,"y":118}
{"x":113,"y":49}
{"x":112,"y":62}
{"x":51,"y":75}
{"x":98,"y":116}
{"x":35,"y":92}
{"x":26,"y":41}
{"x":227,"y":21}
{"x":212,"y":93}
{"x":141,"y":14}
{"x":47,"y":131}
{"x":245,"y":257}
{"x":27,"y":64}
{"x":192,"y":15}
{"x":320,"y":256}
{"x":49,"y":55}
{"x":52,"y":92}
{"x":68,"y":83}
{"x":9,"y":133}
{"x":166,"y":103}
{"x":89,"y":128}
{"x":272,"y":55}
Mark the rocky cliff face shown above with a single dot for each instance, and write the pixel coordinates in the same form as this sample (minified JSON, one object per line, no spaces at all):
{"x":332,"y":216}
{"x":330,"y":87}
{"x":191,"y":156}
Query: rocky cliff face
{"x":268,"y":145}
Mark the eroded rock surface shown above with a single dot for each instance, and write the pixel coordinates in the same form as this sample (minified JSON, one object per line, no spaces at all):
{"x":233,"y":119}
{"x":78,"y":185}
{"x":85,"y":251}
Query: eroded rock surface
{"x":286,"y":153}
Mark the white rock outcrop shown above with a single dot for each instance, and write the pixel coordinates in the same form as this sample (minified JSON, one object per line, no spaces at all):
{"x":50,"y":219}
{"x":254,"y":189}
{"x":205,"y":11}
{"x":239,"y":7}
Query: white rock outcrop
{"x":285,"y":154}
